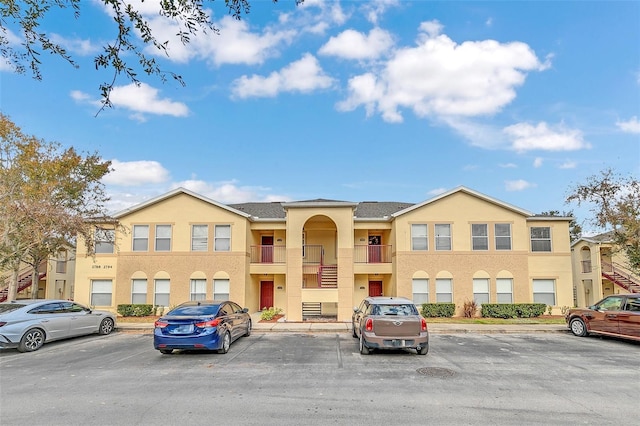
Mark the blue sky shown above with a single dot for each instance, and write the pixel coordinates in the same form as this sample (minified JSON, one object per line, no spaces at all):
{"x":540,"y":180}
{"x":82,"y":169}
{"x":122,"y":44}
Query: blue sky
{"x":354,"y":100}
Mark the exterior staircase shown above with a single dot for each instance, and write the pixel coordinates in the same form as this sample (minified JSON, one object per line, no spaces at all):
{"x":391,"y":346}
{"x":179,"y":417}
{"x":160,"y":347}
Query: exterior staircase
{"x":328,"y":276}
{"x":311,"y":309}
{"x":24,"y":282}
{"x":621,"y":277}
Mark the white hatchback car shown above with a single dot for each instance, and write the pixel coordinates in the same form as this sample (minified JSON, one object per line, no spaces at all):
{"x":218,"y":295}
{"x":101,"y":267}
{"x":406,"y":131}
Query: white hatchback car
{"x":28,"y":324}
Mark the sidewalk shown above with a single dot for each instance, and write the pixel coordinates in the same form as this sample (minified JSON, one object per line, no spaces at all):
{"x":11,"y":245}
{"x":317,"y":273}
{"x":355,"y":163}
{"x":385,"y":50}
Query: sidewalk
{"x":345,"y":327}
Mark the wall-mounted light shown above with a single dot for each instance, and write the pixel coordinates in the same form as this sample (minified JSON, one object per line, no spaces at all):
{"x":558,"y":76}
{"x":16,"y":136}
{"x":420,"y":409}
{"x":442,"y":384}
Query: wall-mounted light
{"x":279,"y":240}
{"x":279,"y":287}
{"x":361,"y":239}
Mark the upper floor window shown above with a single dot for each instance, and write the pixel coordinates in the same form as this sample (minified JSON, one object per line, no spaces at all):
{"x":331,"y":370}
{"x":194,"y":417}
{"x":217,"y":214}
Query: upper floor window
{"x":503,"y":236}
{"x":140,"y":237}
{"x":61,"y":262}
{"x":222,"y":238}
{"x":105,"y":240}
{"x":163,"y":237}
{"x":199,"y":237}
{"x":443,"y":236}
{"x":419,"y":237}
{"x":540,"y":238}
{"x":479,"y":236}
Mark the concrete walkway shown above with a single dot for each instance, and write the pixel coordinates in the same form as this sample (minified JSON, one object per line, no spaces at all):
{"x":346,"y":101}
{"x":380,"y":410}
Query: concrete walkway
{"x":345,"y":327}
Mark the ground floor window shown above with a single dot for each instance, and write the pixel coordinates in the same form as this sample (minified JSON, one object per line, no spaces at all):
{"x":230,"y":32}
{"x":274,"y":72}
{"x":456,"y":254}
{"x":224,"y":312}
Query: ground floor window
{"x":221,"y":289}
{"x":544,"y":291}
{"x":198,"y":289}
{"x":420,"y":291}
{"x":444,"y":290}
{"x":139,"y":291}
{"x":504,"y":290}
{"x":161,"y":297}
{"x":481,"y":290}
{"x":101,"y":291}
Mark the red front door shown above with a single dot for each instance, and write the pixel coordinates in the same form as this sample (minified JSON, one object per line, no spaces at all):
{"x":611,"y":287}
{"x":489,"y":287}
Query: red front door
{"x":266,"y":249}
{"x":375,"y":288}
{"x":266,"y":294}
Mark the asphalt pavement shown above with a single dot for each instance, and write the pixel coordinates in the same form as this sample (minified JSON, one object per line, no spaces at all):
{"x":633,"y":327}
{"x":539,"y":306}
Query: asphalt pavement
{"x":324,"y":326}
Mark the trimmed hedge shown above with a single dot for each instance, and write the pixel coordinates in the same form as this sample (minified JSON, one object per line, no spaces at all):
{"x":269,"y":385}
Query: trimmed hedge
{"x":512,"y":310}
{"x":431,"y":310}
{"x":134,"y":310}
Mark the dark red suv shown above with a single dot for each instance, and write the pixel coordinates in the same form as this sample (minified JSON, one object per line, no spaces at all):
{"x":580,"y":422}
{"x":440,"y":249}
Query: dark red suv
{"x":617,"y":315}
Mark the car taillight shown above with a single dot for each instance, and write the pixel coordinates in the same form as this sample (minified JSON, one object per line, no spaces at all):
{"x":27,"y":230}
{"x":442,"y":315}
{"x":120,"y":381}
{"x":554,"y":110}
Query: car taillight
{"x":160,"y":324}
{"x":424,"y":324}
{"x":368,"y":325}
{"x":208,"y":324}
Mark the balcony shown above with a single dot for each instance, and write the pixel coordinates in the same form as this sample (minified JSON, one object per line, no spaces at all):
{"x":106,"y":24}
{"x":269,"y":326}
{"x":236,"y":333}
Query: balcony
{"x":268,"y":254}
{"x":372,"y":254}
{"x":586,"y":266}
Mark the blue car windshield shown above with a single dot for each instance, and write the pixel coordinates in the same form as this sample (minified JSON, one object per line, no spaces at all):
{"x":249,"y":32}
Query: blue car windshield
{"x":194,"y":310}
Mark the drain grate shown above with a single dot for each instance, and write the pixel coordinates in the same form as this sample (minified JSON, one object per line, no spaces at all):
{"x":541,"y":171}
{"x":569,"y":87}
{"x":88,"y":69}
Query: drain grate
{"x":442,"y":373}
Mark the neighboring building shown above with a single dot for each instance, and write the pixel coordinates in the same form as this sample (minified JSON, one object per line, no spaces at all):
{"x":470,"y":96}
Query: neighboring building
{"x":322,"y":257}
{"x":55,"y":278}
{"x":599,"y":270}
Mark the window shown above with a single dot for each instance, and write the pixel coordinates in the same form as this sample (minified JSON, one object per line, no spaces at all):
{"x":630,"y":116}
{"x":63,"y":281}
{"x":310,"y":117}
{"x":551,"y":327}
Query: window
{"x":163,"y":237}
{"x":104,"y":240}
{"x":504,"y":290}
{"x":61,"y":262}
{"x":140,"y":237}
{"x":222,"y":238}
{"x":544,"y":291}
{"x":419,"y":240}
{"x":101,"y":292}
{"x":139,"y":291}
{"x":481,"y":290}
{"x":443,"y":236}
{"x":221,"y":289}
{"x":199,"y":238}
{"x":444,"y":290}
{"x":479,"y":236}
{"x":420,"y":291}
{"x":540,"y":238}
{"x":161,"y":297}
{"x":198,"y":289}
{"x":503,"y":236}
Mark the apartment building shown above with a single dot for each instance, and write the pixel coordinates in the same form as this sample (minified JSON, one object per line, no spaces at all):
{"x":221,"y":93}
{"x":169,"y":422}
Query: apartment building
{"x":321,"y":257}
{"x":600,"y":269}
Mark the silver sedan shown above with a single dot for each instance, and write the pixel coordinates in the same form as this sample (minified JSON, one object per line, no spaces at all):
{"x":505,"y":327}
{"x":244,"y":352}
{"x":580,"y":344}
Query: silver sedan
{"x":28,"y":324}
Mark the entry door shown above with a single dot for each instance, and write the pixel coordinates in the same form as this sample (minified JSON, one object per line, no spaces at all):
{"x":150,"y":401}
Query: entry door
{"x":266,"y":249}
{"x":375,"y":249}
{"x":375,"y":288}
{"x":266,"y":294}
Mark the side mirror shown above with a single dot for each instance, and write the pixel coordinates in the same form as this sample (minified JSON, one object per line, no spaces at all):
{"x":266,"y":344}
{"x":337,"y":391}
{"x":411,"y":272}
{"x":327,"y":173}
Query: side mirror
{"x":245,"y":311}
{"x":355,"y":309}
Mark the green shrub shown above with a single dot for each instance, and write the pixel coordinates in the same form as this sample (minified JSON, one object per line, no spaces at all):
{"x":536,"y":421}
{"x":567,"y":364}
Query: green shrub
{"x":512,"y":310}
{"x":432,"y":310}
{"x":135,"y":310}
{"x":268,"y":314}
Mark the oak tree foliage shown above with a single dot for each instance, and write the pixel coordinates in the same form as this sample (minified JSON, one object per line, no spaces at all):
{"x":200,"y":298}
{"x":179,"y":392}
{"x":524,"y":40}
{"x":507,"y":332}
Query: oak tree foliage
{"x":133,"y":34}
{"x":46,"y":194}
{"x":615,"y":205}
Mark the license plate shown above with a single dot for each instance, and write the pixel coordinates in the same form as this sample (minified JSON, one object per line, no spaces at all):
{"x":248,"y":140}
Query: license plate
{"x":398,"y":342}
{"x":183,"y":329}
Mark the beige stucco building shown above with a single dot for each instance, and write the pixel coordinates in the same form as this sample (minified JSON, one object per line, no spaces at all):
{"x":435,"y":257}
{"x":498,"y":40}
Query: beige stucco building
{"x":321,"y":257}
{"x":600,"y":269}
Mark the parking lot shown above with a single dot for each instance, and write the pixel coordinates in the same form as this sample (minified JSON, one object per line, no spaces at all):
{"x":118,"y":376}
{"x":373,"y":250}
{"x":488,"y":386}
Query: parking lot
{"x":300,"y":378}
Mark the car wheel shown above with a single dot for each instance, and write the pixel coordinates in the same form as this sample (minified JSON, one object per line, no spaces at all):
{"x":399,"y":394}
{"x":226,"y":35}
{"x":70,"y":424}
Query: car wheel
{"x":364,"y":350}
{"x":248,"y":333}
{"x":226,"y":343}
{"x":31,"y":341}
{"x":424,"y":349}
{"x":578,"y":327}
{"x":166,"y":351}
{"x":106,"y":326}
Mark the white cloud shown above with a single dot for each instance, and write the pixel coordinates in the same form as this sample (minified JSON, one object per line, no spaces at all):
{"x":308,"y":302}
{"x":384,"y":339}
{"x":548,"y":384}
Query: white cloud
{"x":351,"y":44}
{"x":143,"y":99}
{"x":630,"y":126}
{"x":568,"y":165}
{"x":437,"y":191}
{"x":82,"y":47}
{"x":508,"y":166}
{"x":229,"y":192}
{"x":373,"y":9}
{"x":442,"y":78}
{"x":304,"y":76}
{"x":135,"y":173}
{"x":527,"y":137}
{"x":518,"y":185}
{"x":537,"y":163}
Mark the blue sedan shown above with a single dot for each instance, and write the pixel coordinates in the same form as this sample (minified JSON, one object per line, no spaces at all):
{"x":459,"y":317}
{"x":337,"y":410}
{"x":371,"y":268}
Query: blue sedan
{"x":201,"y":325}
